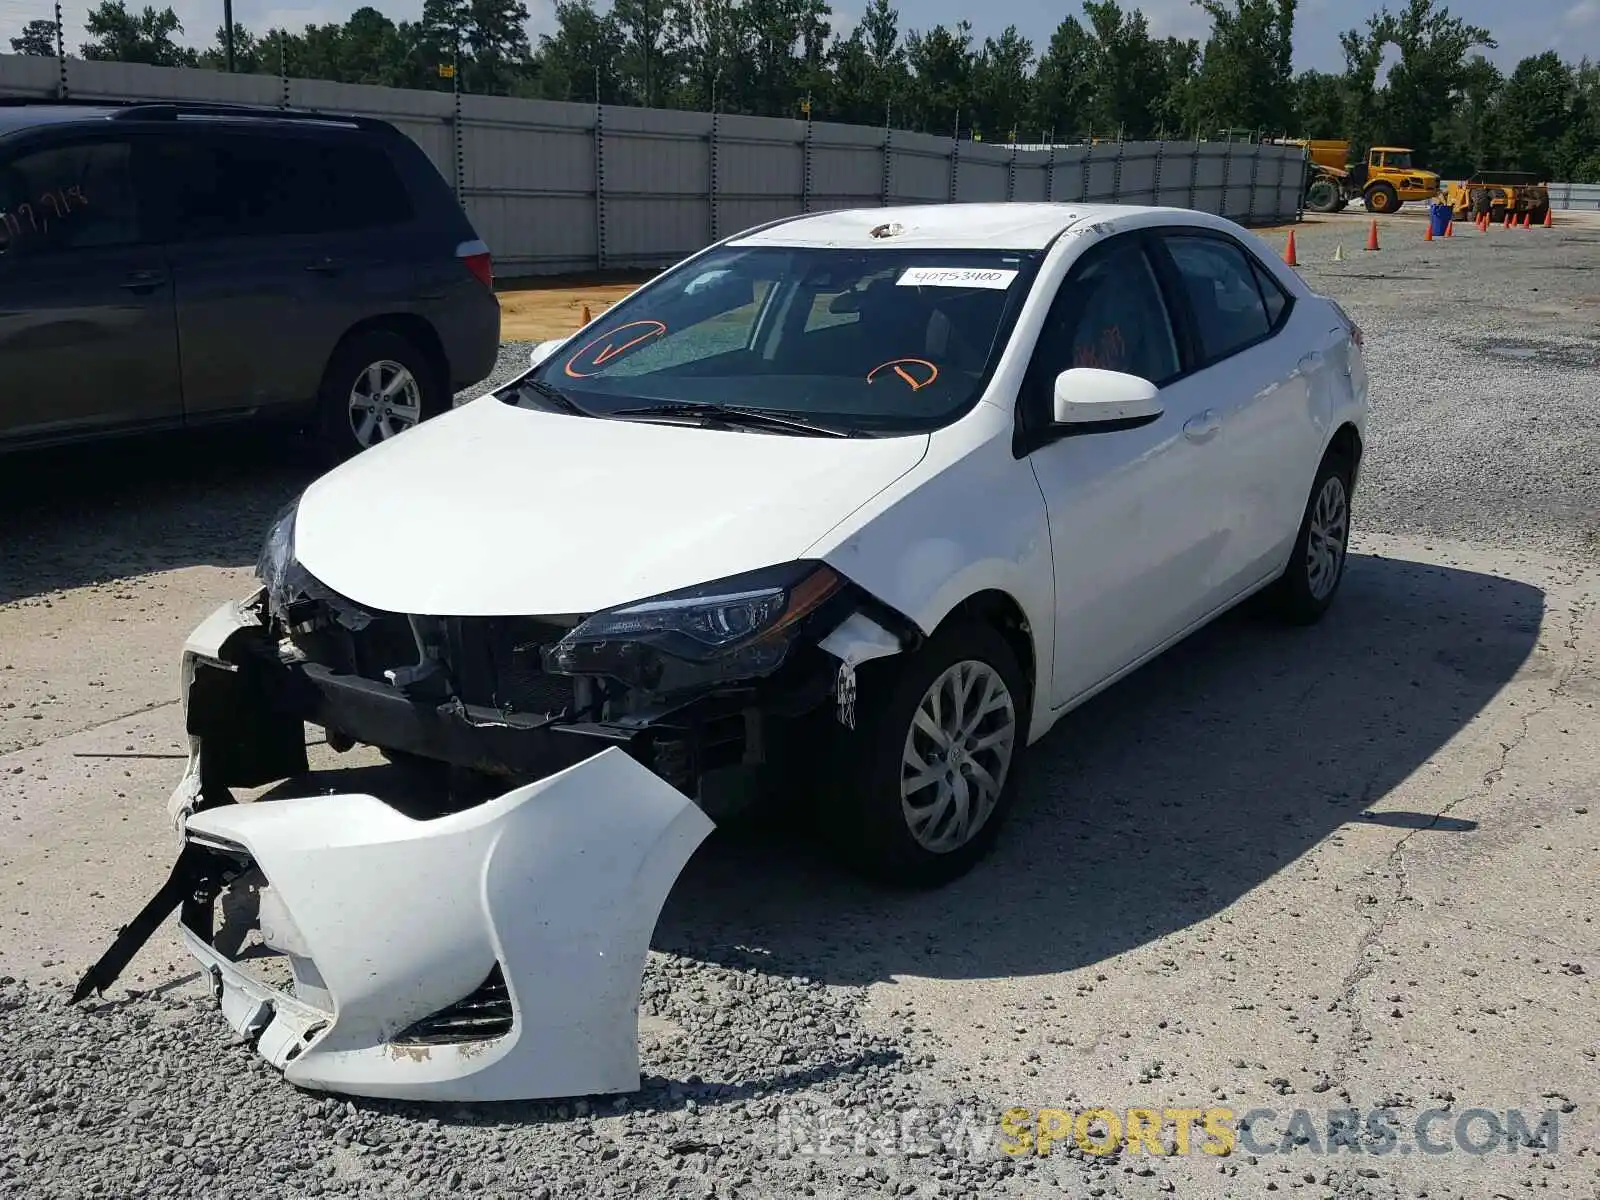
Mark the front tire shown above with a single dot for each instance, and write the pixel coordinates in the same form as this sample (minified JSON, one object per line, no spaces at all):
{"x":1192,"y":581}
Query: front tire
{"x":1309,"y":583}
{"x":915,"y":795}
{"x":377,"y":385}
{"x":1382,"y":198}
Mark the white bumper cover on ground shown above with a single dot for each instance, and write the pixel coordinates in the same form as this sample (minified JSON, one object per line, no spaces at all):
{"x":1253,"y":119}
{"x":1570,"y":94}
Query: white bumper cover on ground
{"x":559,"y":882}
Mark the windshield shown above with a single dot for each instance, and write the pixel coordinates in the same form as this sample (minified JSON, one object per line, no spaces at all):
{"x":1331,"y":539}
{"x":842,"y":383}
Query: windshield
{"x":875,"y":341}
{"x":1397,"y":158}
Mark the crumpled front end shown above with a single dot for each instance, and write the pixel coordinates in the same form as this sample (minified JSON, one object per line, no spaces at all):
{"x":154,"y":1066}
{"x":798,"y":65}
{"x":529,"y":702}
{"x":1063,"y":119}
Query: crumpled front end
{"x":485,"y":938}
{"x":494,"y":953}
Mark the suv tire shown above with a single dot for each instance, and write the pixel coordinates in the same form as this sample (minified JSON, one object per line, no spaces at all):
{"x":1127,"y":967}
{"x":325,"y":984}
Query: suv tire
{"x":377,"y":385}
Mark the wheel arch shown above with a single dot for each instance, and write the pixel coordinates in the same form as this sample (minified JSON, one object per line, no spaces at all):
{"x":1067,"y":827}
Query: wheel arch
{"x":415,"y":329}
{"x":1001,"y":611}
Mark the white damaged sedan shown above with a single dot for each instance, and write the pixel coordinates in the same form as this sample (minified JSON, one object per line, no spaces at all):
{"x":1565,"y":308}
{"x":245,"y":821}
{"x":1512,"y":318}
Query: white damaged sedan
{"x":855,"y":503}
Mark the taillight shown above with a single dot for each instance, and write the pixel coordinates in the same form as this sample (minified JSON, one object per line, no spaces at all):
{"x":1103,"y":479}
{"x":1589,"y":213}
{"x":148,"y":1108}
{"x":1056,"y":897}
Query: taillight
{"x":476,"y":257}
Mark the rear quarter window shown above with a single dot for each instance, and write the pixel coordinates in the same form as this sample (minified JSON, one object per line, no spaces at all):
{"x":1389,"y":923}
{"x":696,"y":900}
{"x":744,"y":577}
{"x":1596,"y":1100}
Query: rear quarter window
{"x":250,"y":185}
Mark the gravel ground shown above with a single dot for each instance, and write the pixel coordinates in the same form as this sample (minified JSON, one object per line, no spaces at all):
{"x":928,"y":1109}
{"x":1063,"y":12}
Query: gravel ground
{"x":1370,"y":878}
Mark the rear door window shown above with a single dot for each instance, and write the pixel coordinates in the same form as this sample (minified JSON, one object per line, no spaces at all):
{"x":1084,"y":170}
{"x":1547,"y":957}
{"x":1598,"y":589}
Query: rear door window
{"x":1223,"y":294}
{"x":250,"y":185}
{"x":74,"y":196}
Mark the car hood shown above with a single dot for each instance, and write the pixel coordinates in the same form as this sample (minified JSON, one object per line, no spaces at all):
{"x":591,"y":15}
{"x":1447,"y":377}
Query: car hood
{"x":493,"y":510}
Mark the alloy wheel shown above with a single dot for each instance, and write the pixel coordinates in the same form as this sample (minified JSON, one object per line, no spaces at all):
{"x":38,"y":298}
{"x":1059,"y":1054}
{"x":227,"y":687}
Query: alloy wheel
{"x":957,"y":755}
{"x":1327,"y":537}
{"x":385,"y":401}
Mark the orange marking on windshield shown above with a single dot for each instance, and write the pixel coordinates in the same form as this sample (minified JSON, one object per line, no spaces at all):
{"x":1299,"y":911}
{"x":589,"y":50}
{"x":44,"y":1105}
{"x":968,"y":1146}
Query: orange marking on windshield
{"x":652,"y":329}
{"x":909,"y":378}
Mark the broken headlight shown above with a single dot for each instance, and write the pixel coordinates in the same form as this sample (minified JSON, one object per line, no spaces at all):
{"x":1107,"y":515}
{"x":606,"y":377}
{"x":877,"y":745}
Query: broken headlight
{"x":736,"y":628}
{"x":275,"y":566}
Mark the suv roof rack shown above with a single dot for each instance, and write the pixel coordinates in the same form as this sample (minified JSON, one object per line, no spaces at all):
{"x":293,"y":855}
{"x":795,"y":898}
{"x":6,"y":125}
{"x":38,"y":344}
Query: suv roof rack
{"x":169,"y":110}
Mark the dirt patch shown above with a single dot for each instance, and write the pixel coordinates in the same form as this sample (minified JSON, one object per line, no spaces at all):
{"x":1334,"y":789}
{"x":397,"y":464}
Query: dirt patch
{"x":532,"y":310}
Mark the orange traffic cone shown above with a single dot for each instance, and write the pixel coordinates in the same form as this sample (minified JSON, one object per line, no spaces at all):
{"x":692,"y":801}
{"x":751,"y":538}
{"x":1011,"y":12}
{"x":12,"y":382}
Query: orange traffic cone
{"x":1288,"y":252}
{"x":1372,"y":236}
{"x":1548,"y":222}
{"x":1525,"y":221}
{"x":586,"y":317}
{"x":1427,"y":234}
{"x":1450,"y":228}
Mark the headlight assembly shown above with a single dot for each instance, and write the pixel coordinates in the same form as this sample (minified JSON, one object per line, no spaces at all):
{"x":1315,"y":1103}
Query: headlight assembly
{"x":737,"y":628}
{"x":275,"y":564}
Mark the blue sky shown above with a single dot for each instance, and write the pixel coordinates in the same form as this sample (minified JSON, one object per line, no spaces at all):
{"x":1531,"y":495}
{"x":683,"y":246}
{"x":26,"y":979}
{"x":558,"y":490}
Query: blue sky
{"x":1522,"y":28}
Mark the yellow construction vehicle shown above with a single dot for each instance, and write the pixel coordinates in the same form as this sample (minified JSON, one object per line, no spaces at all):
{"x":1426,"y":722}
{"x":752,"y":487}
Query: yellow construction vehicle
{"x":1504,"y":195}
{"x":1385,"y":181}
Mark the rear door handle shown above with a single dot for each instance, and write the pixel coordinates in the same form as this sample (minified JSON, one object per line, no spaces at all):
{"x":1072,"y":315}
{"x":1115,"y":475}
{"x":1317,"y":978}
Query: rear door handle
{"x":144,"y":281}
{"x":1202,"y":427}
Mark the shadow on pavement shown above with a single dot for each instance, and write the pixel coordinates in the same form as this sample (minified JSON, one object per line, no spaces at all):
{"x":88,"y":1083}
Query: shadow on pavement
{"x":89,"y":514}
{"x":1160,"y":802}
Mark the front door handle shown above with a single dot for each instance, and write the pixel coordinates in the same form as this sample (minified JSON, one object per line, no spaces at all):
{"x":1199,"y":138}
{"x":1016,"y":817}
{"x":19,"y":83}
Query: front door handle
{"x":144,"y":281}
{"x":1202,"y":427}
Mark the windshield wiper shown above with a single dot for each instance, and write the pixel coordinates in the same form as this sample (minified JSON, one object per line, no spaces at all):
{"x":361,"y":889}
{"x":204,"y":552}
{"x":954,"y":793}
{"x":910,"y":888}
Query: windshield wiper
{"x":734,"y":414}
{"x":555,"y":396}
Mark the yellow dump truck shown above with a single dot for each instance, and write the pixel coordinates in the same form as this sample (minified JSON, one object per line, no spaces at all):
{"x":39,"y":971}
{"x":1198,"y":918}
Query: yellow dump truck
{"x":1504,"y":195}
{"x":1385,"y":181}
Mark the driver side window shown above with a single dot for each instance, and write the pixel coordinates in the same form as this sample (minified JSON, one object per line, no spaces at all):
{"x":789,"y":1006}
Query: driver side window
{"x":1110,"y":314}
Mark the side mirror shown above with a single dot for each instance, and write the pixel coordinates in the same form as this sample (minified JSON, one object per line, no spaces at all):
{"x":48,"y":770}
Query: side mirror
{"x":1087,"y":397}
{"x":544,"y":350}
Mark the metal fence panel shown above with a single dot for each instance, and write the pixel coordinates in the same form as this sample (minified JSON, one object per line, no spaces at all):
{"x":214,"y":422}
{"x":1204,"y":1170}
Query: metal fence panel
{"x":563,"y":187}
{"x":1580,"y":197}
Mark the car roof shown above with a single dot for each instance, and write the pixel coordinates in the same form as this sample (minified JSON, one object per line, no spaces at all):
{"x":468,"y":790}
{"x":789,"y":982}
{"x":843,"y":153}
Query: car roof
{"x":26,"y":116}
{"x":1012,"y":225}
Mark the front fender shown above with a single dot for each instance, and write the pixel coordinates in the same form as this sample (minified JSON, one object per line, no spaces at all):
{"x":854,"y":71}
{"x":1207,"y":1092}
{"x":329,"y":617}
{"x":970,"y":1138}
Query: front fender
{"x":967,"y":520}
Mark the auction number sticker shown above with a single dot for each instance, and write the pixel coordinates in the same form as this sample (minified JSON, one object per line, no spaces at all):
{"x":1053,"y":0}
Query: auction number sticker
{"x":996,"y":278}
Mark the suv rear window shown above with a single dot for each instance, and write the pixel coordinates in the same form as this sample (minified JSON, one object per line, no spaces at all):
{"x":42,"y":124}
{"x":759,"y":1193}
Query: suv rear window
{"x":241,"y":185}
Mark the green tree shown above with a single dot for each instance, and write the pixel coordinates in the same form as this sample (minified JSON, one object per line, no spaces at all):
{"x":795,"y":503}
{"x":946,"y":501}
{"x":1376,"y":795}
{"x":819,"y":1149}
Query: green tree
{"x":1422,"y":85}
{"x":1321,"y":105}
{"x":1245,"y":76}
{"x":248,"y":57}
{"x":38,"y":38}
{"x":1469,"y":138}
{"x":1535,"y":108}
{"x":143,"y":37}
{"x":1129,"y":70}
{"x":941,"y":86}
{"x":579,"y":61}
{"x":1000,"y":84}
{"x":1064,"y":84}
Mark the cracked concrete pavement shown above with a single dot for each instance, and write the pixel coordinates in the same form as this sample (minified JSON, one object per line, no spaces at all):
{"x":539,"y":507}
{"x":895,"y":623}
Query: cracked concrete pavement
{"x":1347,"y":867}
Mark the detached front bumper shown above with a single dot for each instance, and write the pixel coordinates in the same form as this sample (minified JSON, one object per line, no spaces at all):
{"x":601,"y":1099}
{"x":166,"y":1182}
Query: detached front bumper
{"x":490,"y":954}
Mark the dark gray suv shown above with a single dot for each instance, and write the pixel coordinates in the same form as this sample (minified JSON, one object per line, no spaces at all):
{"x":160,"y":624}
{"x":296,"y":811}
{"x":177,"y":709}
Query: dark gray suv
{"x":174,"y":265}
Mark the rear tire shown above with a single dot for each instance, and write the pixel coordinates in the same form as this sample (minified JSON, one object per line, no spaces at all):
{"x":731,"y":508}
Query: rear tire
{"x":1305,"y":590}
{"x":938,"y":737}
{"x":1323,"y":195}
{"x":377,"y":385}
